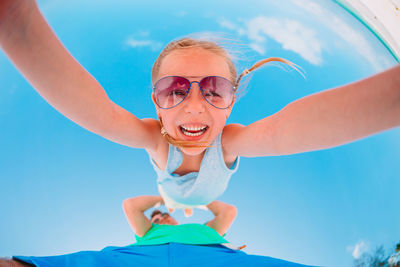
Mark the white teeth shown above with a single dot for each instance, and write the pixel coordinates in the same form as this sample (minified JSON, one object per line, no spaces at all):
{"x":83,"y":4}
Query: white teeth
{"x":193,"y":128}
{"x":199,"y":130}
{"x":192,"y":134}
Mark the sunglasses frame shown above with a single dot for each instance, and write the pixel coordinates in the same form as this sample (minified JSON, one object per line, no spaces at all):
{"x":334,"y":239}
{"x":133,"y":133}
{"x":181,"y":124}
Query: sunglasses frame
{"x":201,"y":90}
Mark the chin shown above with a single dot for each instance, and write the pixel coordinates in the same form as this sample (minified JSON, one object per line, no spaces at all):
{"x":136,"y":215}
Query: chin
{"x":192,"y":151}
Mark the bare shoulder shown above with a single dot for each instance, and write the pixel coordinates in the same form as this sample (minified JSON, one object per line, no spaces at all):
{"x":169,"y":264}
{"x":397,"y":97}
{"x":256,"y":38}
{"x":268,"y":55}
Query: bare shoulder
{"x":159,"y":150}
{"x":154,"y":129}
{"x":152,"y":123}
{"x":255,"y":140}
{"x":231,"y":130}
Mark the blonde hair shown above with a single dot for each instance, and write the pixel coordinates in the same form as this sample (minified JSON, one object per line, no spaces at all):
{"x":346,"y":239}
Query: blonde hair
{"x":187,"y":43}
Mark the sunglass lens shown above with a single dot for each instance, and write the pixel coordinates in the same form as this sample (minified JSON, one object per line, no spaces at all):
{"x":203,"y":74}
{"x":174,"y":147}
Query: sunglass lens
{"x":218,"y":91}
{"x":170,"y":91}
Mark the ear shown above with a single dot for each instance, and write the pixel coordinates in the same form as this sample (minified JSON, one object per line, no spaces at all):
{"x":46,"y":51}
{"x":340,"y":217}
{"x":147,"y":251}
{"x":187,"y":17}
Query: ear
{"x":155,"y":104}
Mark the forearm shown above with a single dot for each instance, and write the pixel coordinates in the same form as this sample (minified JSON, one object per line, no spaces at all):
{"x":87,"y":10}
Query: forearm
{"x":340,"y":115}
{"x":143,"y":203}
{"x":224,"y":216}
{"x":35,"y":50}
{"x":134,"y":209}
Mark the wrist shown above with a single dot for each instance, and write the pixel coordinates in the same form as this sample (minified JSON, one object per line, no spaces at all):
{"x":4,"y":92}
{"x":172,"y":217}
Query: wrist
{"x":14,"y":16}
{"x":160,"y":201}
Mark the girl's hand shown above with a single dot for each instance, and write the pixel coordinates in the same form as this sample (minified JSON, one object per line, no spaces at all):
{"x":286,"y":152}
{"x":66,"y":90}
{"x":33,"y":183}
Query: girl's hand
{"x":8,"y":8}
{"x":32,"y":46}
{"x":159,"y":203}
{"x":322,"y":120}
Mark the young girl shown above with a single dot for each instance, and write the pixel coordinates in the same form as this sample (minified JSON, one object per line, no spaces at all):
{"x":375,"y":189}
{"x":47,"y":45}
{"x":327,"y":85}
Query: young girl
{"x":194,"y":83}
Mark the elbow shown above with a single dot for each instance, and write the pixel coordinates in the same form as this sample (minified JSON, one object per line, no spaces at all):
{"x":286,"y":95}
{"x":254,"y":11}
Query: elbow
{"x":231,"y":212}
{"x":139,"y":233}
{"x":128,"y":204}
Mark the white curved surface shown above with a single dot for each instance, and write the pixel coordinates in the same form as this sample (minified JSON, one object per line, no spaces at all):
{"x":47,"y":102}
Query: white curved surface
{"x":383,"y":16}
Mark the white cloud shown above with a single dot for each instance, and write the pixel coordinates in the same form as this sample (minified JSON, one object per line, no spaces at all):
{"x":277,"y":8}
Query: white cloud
{"x":153,"y":45}
{"x":291,"y":34}
{"x":342,"y":29}
{"x":227,"y":24}
{"x":306,"y":41}
{"x":259,"y":48}
{"x":358,"y":249}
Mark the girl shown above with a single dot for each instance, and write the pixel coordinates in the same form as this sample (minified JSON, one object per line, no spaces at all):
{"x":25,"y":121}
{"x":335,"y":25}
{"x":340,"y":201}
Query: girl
{"x":194,"y":83}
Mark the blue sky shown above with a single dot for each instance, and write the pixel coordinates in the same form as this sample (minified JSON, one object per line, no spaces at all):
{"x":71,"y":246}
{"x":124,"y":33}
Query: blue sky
{"x":62,"y":187}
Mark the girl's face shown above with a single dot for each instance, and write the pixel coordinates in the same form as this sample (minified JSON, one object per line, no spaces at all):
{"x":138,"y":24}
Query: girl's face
{"x":185,"y":121}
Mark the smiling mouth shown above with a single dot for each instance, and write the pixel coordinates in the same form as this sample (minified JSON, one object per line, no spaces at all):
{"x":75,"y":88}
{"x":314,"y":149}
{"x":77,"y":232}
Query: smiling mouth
{"x":193,"y":130}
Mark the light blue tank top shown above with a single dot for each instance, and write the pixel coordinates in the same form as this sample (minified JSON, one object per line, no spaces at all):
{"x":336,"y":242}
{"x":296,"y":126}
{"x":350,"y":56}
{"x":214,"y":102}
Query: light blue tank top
{"x":196,"y":188}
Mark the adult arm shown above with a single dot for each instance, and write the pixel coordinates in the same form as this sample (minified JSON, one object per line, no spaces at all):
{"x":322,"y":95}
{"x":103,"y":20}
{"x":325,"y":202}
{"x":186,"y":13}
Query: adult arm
{"x":13,"y":263}
{"x":322,"y":120}
{"x":224,"y":216}
{"x":134,"y":209}
{"x":32,"y":46}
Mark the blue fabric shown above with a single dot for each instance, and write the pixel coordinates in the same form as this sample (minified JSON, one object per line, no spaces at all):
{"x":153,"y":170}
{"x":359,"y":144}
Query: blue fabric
{"x":171,"y":255}
{"x":196,"y":188}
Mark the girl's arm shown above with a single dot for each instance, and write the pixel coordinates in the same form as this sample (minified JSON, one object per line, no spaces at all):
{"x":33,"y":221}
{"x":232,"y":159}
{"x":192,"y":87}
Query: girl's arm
{"x":224,"y":216}
{"x":322,"y":120}
{"x":134,"y":209}
{"x":35,"y":50}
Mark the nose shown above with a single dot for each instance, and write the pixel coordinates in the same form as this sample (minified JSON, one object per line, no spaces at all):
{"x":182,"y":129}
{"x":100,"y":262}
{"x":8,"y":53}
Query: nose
{"x":195,"y":100}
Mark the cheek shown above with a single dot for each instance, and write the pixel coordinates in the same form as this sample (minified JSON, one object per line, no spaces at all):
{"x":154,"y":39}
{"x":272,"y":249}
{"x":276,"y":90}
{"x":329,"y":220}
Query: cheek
{"x":221,"y":119}
{"x":169,"y":124}
{"x":167,"y":118}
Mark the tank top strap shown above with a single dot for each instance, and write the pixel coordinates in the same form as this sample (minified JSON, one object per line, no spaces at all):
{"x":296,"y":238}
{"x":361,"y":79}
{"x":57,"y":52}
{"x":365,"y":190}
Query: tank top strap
{"x":175,"y":159}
